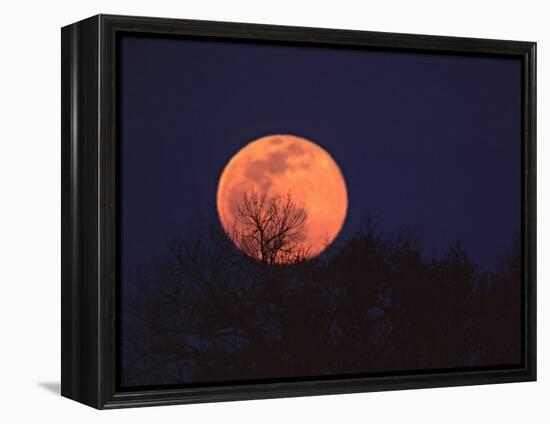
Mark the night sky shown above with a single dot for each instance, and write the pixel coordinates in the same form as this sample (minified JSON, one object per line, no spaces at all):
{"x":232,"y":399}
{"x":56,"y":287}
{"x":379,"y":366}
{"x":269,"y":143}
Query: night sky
{"x":429,"y":144}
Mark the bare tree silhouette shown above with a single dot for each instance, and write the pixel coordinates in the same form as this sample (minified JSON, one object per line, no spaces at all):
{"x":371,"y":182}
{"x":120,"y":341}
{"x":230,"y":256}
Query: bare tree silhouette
{"x":210,"y":312}
{"x":271,"y":228}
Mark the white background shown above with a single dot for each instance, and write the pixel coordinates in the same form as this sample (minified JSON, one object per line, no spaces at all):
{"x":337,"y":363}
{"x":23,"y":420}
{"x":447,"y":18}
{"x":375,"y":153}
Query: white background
{"x":30,"y":212}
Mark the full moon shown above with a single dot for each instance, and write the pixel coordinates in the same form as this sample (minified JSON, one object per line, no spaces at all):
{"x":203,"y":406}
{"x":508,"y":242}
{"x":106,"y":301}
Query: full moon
{"x":286,"y":166}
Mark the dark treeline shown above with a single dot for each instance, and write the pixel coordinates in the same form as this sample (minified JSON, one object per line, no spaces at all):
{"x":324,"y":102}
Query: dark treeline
{"x":208,"y":312}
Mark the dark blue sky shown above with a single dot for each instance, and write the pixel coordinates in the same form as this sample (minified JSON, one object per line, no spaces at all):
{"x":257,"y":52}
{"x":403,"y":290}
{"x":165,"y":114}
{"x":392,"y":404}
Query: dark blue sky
{"x":427,"y":143}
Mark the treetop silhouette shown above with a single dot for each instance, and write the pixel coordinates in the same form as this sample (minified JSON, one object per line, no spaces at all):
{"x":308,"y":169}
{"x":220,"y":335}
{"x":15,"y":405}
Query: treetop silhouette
{"x":210,"y":311}
{"x":271,"y":229}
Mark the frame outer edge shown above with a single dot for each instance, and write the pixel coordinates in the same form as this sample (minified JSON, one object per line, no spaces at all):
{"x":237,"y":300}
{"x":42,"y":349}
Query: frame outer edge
{"x":79,"y":283}
{"x":68,"y":359}
{"x":530,"y":203}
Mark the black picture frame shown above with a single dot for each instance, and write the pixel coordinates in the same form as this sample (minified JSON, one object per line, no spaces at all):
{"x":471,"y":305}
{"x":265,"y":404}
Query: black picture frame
{"x":89,"y":209}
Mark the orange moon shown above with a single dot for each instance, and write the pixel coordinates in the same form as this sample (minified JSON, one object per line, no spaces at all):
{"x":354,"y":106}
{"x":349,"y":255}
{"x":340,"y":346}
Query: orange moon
{"x":276,"y":165}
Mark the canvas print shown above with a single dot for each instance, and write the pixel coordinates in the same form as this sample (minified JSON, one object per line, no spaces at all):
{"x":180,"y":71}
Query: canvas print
{"x":300,"y":212}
